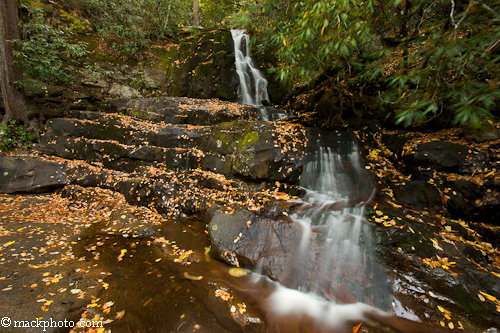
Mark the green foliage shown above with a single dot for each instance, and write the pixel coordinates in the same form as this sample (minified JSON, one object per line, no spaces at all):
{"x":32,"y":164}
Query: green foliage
{"x":139,"y":83}
{"x":450,"y":65}
{"x":310,"y":36}
{"x":131,"y":25}
{"x":14,"y":136}
{"x":43,"y":52}
{"x":425,"y":57}
{"x":218,"y":13}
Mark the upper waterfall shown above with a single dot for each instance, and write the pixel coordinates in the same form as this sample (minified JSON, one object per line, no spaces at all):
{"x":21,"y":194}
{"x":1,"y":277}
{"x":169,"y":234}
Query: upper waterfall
{"x":253,"y":86}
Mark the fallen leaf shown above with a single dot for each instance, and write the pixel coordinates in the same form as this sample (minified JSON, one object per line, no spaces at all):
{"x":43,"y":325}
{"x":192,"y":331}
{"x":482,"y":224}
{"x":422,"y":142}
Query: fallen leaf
{"x":119,"y":315}
{"x":237,"y":272}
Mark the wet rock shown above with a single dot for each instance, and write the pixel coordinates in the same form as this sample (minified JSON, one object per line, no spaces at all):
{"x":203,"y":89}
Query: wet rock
{"x":24,"y":174}
{"x":440,"y":155}
{"x":251,"y":150}
{"x":180,"y":110}
{"x":175,"y":137}
{"x":203,"y":67}
{"x":245,"y":239}
{"x":395,"y":143}
{"x":234,"y":321}
{"x":462,"y":196}
{"x":35,"y":89}
{"x":446,"y":156}
{"x":93,"y":130}
{"x":417,"y":194}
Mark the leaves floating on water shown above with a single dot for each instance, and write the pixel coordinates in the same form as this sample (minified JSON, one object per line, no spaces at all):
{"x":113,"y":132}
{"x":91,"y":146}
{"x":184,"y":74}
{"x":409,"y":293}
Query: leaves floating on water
{"x":192,"y":277}
{"x":149,"y":300}
{"x":119,"y":315}
{"x":237,"y":272}
{"x":223,"y":294}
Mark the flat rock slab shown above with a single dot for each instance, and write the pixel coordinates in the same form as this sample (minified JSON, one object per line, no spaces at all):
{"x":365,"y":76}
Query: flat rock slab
{"x":449,"y":157}
{"x":23,"y":174}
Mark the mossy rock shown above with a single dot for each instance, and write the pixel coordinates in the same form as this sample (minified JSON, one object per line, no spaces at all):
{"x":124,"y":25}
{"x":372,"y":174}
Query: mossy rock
{"x":202,"y":67}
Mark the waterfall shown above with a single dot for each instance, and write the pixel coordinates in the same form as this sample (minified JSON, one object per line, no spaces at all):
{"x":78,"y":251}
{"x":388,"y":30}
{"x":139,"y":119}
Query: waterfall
{"x":333,"y":264}
{"x":253,"y":86}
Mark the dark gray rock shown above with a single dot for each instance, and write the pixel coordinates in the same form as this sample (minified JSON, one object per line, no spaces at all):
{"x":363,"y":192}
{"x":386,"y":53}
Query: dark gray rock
{"x":395,"y":143}
{"x":440,"y":155}
{"x":26,"y":174}
{"x":175,"y":137}
{"x":245,"y":239}
{"x":203,"y":67}
{"x":417,"y":194}
{"x":446,"y":156}
{"x":181,"y":110}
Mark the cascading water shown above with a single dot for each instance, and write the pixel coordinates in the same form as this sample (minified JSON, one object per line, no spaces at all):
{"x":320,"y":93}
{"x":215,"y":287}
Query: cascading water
{"x":332,"y":265}
{"x":253,"y":86}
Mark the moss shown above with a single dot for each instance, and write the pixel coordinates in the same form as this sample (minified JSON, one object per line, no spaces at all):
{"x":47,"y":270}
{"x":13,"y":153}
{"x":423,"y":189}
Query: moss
{"x":139,"y":114}
{"x":468,"y":302}
{"x":236,"y":133}
{"x":204,"y":69}
{"x":250,"y":139}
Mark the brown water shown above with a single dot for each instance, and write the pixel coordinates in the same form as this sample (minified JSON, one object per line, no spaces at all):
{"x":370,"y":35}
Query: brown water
{"x":161,"y":295}
{"x":162,"y":291}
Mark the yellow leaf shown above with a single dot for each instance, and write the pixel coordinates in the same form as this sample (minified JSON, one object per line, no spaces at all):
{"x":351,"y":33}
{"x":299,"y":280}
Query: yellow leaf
{"x":284,"y":41}
{"x":356,"y":328}
{"x":323,"y":29}
{"x":451,"y":326}
{"x":488,"y":296}
{"x":237,"y":272}
{"x":305,"y":14}
{"x":157,"y":260}
{"x":440,"y":308}
{"x":481,"y":297}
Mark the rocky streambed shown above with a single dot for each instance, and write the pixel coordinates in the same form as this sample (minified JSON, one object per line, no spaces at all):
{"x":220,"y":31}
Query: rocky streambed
{"x":165,"y":206}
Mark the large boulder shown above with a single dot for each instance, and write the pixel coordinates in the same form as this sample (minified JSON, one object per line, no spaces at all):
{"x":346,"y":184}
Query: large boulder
{"x":272,"y":242}
{"x":254,"y":150}
{"x":202,"y":66}
{"x":24,"y":174}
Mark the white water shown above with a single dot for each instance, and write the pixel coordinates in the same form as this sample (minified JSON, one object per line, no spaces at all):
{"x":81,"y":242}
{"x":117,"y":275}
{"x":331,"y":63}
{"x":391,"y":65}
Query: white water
{"x":253,"y":86}
{"x":330,"y":180}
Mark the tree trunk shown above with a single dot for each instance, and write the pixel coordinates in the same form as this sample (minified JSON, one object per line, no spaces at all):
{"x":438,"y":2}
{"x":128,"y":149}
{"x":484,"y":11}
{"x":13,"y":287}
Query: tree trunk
{"x":196,"y":13}
{"x":13,"y":99}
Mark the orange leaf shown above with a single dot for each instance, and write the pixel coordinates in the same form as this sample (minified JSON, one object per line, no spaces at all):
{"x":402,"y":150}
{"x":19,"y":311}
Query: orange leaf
{"x":356,"y":328}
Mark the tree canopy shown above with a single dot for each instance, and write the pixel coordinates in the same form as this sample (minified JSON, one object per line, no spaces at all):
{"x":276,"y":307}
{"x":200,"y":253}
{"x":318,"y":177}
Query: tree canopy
{"x":425,"y":56}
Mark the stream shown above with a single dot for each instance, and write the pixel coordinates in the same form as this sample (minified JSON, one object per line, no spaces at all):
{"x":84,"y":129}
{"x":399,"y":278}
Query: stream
{"x":332,"y":280}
